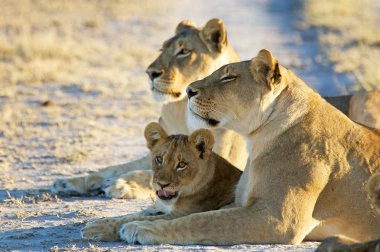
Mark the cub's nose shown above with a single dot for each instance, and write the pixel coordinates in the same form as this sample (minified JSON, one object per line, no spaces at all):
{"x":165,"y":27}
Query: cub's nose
{"x":154,"y":73}
{"x":190,"y":92}
{"x":162,"y":185}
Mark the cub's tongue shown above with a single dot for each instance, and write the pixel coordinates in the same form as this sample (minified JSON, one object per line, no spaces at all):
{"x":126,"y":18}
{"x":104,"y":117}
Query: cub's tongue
{"x":163,"y":193}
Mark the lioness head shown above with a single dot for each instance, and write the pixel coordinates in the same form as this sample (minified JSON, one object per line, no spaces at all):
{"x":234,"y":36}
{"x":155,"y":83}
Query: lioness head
{"x":237,"y":96}
{"x":193,"y":53}
{"x":178,"y":161}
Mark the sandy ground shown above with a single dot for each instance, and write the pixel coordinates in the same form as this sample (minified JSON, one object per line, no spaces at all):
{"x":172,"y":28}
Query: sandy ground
{"x":95,"y":117}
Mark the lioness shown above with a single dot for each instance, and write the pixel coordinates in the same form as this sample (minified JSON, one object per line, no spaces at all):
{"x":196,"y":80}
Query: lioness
{"x":192,"y":54}
{"x":187,"y":176}
{"x":309,"y":163}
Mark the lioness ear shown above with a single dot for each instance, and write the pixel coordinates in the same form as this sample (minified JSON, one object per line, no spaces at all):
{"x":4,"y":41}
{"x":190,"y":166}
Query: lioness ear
{"x":184,"y":25}
{"x":215,"y":35}
{"x":203,"y":140}
{"x":264,"y":68}
{"x":154,"y":133}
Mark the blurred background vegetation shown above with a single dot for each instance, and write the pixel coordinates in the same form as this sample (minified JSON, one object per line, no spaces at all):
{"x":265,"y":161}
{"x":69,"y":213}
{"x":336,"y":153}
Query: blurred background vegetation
{"x":44,"y":41}
{"x":349,"y":34}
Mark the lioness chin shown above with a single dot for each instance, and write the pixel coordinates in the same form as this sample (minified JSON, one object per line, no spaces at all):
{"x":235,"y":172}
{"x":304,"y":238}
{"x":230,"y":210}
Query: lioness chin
{"x":187,"y":177}
{"x":308,"y":170}
{"x":191,"y":54}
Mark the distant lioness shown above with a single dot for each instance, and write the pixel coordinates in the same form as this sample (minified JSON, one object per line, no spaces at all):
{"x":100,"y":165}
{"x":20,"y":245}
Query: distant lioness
{"x":192,"y":54}
{"x":187,"y":176}
{"x":309,"y":163}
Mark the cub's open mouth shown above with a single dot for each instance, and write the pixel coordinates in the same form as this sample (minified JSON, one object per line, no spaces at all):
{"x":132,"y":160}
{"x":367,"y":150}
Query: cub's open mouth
{"x":166,"y":195}
{"x":209,"y":121}
{"x":175,"y":94}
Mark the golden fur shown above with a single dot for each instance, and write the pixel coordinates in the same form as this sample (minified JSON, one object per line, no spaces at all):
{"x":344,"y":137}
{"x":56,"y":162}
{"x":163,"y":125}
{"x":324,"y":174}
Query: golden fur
{"x":309,"y":164}
{"x":187,"y":177}
{"x":193,"y":53}
{"x":374,"y":190}
{"x":364,"y":108}
{"x":344,"y":244}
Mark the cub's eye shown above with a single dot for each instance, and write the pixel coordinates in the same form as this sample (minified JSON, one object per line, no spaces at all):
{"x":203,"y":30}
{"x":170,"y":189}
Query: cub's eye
{"x":228,"y":78}
{"x":159,"y":160}
{"x":183,"y":53}
{"x":181,"y":165}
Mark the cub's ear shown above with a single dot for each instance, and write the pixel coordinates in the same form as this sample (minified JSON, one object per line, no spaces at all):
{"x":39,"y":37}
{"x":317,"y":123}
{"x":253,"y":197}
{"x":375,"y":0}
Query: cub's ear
{"x":184,"y":25}
{"x":215,"y":35}
{"x":154,"y":133}
{"x":265,"y":69}
{"x":203,"y":140}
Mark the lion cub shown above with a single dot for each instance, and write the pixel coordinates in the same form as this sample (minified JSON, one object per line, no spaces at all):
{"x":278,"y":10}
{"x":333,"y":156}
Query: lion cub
{"x":188,"y":177}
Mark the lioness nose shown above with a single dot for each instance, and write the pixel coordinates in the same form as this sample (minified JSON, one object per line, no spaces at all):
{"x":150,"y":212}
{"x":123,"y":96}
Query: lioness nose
{"x":154,"y":73}
{"x":162,"y":185}
{"x":190,"y":92}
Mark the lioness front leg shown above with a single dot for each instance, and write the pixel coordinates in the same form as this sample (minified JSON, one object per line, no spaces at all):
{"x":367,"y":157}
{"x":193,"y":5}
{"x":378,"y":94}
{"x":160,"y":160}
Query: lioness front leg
{"x":108,"y":229}
{"x":220,"y":227}
{"x":93,"y":183}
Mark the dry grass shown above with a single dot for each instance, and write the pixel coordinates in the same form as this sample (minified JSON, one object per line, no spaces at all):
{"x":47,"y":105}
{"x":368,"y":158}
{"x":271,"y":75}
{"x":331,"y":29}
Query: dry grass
{"x":349,"y":37}
{"x":68,"y":70}
{"x":62,"y":41}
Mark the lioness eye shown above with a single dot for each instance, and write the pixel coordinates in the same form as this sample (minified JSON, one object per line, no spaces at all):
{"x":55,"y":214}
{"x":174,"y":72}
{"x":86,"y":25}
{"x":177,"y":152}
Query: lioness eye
{"x":181,"y":165}
{"x":184,"y":52}
{"x":227,"y":78}
{"x":159,"y":160}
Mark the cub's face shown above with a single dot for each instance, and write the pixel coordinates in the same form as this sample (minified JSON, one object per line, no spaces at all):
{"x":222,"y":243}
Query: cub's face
{"x":178,"y":161}
{"x":237,"y":96}
{"x":191,"y":54}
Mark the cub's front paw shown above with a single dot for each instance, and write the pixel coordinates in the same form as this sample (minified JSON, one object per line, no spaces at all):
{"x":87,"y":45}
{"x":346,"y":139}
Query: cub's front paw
{"x":138,"y":232}
{"x":106,"y":229}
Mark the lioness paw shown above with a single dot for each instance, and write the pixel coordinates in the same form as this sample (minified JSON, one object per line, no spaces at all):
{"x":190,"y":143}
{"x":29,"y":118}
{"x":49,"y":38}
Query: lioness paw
{"x":137,"y":232}
{"x":102,"y":230}
{"x":65,"y":187}
{"x":79,"y":186}
{"x":118,"y":188}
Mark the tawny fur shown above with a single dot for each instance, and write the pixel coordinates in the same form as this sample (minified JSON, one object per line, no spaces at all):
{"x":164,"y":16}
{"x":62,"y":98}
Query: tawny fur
{"x":206,"y":183}
{"x":309,"y":164}
{"x":204,"y":50}
{"x":209,"y":51}
{"x":336,"y":244}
